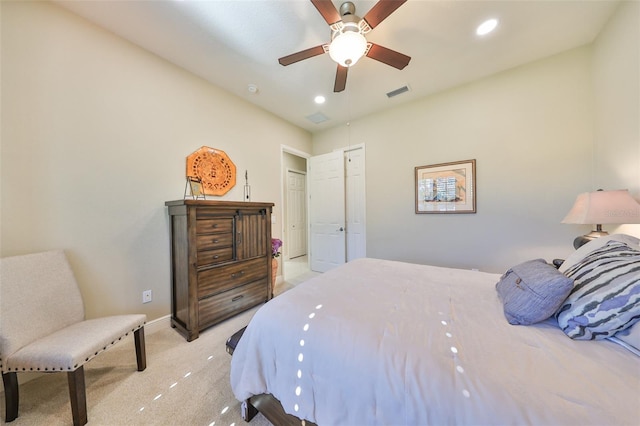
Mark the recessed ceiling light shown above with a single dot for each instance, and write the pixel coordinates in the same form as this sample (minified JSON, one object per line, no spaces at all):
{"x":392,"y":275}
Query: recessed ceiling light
{"x":252,"y":88}
{"x":487,"y":26}
{"x":319,"y":99}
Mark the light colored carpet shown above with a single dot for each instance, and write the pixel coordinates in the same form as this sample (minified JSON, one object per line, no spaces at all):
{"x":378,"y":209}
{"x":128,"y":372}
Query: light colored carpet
{"x":185,"y":383}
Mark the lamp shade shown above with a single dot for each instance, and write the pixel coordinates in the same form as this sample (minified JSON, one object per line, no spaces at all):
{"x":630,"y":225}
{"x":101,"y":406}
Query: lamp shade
{"x":603,"y":207}
{"x":347,"y":47}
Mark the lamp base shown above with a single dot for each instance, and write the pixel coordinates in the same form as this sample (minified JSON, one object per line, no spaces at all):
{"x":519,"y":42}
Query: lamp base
{"x":584,"y":239}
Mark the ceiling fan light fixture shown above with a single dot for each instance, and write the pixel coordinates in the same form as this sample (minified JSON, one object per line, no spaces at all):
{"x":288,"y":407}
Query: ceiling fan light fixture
{"x":347,"y":48}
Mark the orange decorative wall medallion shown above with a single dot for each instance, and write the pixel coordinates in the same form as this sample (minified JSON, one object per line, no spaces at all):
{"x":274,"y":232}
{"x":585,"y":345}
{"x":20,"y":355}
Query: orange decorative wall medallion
{"x":214,"y":168}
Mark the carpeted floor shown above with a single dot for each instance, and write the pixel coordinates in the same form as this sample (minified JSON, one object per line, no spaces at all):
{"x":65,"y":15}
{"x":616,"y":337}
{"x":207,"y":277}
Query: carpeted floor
{"x":185,"y":383}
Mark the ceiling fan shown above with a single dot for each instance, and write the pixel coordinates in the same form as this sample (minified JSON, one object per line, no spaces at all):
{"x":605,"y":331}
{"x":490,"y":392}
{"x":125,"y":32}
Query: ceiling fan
{"x":348,"y":43}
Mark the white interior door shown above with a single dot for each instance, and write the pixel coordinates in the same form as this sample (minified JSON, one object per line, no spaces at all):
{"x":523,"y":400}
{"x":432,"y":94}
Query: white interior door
{"x":356,"y":203}
{"x":296,"y":214}
{"x":327,"y":211}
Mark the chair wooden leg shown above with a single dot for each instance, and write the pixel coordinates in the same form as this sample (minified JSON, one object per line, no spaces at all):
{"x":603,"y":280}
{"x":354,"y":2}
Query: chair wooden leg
{"x":77,"y":394}
{"x":141,"y":354}
{"x":11,"y":395}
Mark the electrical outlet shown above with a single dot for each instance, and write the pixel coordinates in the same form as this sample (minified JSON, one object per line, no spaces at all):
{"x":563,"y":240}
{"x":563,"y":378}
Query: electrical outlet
{"x":146,"y":296}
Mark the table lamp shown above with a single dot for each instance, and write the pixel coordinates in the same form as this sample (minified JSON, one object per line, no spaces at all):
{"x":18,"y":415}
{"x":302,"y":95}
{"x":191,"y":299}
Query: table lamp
{"x":602,"y":207}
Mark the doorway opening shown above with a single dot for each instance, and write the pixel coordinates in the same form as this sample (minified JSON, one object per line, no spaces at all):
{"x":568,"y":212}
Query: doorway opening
{"x":295,"y":246}
{"x":305,"y":251}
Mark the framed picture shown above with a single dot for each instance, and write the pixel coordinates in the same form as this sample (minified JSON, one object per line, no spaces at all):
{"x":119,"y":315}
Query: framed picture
{"x":194,"y":188}
{"x":446,"y":187}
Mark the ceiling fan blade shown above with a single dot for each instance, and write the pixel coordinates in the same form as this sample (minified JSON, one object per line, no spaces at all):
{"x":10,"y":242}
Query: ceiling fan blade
{"x":303,"y":54}
{"x":381,"y":11}
{"x":328,"y":11}
{"x":388,"y":56}
{"x":341,"y":79}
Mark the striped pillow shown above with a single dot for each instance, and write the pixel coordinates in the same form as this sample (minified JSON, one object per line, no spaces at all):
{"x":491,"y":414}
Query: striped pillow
{"x":606,"y":295}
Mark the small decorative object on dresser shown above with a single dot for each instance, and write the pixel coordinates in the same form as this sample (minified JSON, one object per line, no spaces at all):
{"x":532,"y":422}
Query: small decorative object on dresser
{"x":275,"y":252}
{"x":193,"y":188}
{"x":220,"y":261}
{"x":247,"y":187}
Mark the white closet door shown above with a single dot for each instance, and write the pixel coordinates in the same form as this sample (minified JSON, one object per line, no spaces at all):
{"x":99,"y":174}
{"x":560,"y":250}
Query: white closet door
{"x":355,"y":203}
{"x":296,"y":214}
{"x":327,"y":211}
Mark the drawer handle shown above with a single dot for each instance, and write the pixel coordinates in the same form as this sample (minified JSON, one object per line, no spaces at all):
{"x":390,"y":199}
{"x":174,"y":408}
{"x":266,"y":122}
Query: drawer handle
{"x":216,"y":256}
{"x":215,"y":225}
{"x":235,"y":299}
{"x":239,"y":274}
{"x":216,"y":241}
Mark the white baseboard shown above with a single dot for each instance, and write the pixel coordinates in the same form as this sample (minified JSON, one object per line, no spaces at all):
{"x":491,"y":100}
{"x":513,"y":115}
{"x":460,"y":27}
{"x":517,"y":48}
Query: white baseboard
{"x":157,"y":324}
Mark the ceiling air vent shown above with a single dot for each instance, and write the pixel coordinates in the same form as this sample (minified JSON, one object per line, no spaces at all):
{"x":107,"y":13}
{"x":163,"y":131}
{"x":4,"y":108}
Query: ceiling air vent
{"x":317,"y":118}
{"x":398,"y":91}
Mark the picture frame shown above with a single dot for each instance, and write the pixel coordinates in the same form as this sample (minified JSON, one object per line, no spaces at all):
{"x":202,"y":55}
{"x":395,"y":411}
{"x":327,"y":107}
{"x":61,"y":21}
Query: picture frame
{"x":194,"y":188}
{"x":446,"y":188}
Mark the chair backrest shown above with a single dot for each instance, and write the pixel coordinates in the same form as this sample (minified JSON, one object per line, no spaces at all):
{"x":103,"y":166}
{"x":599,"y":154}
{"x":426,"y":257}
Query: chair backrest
{"x":38,"y":296}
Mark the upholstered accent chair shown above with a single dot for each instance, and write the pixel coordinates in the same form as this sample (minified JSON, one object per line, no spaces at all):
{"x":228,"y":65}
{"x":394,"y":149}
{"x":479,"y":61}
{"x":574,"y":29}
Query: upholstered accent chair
{"x":43,"y":328}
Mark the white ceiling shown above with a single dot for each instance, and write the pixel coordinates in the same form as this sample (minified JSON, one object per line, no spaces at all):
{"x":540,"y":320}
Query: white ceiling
{"x":235,"y":43}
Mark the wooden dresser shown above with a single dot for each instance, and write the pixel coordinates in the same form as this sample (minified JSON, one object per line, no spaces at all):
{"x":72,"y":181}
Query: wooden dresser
{"x":220,"y":261}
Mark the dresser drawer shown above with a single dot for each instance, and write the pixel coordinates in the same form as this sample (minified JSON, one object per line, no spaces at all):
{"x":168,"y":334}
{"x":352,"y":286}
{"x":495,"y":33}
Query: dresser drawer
{"x":217,"y":225}
{"x":211,"y":257}
{"x":224,"y":305}
{"x":214,"y":241}
{"x":223,"y":278}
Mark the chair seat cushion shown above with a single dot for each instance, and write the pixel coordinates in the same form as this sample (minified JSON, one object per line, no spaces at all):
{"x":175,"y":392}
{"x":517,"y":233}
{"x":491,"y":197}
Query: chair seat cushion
{"x":73,"y":346}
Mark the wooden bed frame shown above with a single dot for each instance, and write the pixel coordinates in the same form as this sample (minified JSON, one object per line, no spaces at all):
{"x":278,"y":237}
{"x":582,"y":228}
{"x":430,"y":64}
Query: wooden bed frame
{"x":272,"y":409}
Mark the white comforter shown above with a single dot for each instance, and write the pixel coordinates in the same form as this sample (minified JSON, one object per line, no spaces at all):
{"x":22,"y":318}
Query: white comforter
{"x":383,"y":342}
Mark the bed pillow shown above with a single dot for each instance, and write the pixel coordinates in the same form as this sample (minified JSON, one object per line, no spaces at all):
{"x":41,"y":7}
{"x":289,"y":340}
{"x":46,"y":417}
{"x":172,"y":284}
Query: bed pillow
{"x":629,"y":338}
{"x":532,"y":292}
{"x":592,"y":245}
{"x":606,"y":297}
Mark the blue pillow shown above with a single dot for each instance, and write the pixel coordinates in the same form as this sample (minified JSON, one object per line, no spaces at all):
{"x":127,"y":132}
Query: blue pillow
{"x":628,"y":338}
{"x":532,"y":292}
{"x":606,"y":296}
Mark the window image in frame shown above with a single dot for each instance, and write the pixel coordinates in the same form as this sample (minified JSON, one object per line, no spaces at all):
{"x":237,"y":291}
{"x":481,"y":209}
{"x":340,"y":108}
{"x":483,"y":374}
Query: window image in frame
{"x":446,"y":188}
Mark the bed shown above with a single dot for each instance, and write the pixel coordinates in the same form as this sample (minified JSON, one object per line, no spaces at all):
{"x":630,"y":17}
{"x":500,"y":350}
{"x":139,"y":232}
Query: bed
{"x":391,"y":343}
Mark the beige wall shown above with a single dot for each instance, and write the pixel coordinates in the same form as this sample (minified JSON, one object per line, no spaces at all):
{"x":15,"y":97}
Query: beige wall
{"x":95,"y":132}
{"x":531,"y":130}
{"x":616,"y":65}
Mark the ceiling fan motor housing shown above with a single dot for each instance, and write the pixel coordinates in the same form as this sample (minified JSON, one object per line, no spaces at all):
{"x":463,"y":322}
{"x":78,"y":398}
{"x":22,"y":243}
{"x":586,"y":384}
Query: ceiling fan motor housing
{"x":350,"y":22}
{"x":347,"y":8}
